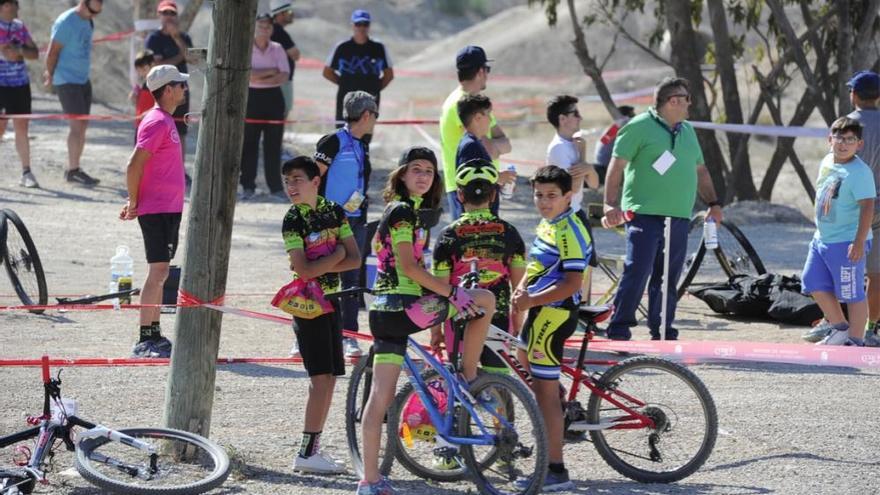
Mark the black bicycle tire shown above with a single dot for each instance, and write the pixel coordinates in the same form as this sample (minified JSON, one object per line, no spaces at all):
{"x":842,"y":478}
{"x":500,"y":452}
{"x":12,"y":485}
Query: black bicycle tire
{"x":213,"y":480}
{"x":744,"y":243}
{"x":641,"y":475}
{"x":352,"y":424}
{"x":400,"y":455}
{"x":518,"y":392}
{"x":694,"y":267}
{"x":43,"y":296}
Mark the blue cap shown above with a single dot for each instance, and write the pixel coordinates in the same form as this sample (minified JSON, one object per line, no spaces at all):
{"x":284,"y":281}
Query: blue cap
{"x":865,"y":81}
{"x":470,"y":57}
{"x":360,"y":15}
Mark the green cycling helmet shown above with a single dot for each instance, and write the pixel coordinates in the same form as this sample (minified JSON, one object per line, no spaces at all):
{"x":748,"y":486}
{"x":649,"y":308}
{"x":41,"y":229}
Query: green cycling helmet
{"x":476,"y":169}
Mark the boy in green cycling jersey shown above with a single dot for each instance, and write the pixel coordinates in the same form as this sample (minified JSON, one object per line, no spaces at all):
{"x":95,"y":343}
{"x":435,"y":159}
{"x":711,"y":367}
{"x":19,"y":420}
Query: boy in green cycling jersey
{"x":320,"y":245}
{"x":495,"y":244}
{"x":550,"y":293}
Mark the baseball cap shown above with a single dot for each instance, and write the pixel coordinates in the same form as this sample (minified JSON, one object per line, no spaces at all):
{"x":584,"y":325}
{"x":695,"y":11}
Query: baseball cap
{"x":161,"y":75}
{"x":865,"y":81}
{"x":360,"y":15}
{"x":417,"y":153}
{"x":264,"y":16}
{"x":470,"y":57}
{"x":279,"y":6}
{"x":167,"y":5}
{"x":356,"y":103}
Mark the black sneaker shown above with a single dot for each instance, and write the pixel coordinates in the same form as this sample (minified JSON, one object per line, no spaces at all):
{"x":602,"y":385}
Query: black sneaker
{"x":79,"y":177}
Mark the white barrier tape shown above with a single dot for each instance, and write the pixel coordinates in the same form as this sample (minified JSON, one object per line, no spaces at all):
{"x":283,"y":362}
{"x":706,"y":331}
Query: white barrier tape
{"x":764,"y":130}
{"x":803,"y":354}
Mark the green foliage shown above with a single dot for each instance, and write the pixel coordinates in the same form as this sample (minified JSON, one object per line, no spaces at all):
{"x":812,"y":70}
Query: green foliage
{"x":550,"y":7}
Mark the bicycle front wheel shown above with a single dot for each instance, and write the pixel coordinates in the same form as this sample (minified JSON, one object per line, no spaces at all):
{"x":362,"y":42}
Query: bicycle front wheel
{"x":187,"y":463}
{"x":509,"y":413}
{"x":23,"y":263}
{"x":685,"y":422}
{"x":355,"y":404}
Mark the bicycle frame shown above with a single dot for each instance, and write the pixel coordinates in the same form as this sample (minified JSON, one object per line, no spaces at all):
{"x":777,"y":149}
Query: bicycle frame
{"x":458,"y":394}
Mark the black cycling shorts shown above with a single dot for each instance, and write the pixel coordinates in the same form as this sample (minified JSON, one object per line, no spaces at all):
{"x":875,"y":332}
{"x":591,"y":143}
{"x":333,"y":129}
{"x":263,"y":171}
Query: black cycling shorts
{"x":320,"y":344}
{"x":161,"y":231}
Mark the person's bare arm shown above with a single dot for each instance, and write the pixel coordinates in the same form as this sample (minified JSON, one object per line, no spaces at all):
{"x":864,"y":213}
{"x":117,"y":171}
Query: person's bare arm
{"x":330,"y":75}
{"x":570,"y":284}
{"x":613,"y":183}
{"x":866,"y":216}
{"x":51,"y":62}
{"x":499,"y":140}
{"x":133,"y":174}
{"x":387,"y":76}
{"x":517,"y":275}
{"x":352,"y":260}
{"x":309,"y":269}
{"x":707,"y":192}
{"x":294,"y":53}
{"x":410,"y":268}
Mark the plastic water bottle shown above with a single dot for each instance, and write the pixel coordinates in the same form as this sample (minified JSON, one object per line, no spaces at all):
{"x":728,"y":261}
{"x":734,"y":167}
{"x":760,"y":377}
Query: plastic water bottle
{"x":507,"y":189}
{"x":121,"y":273}
{"x":710,"y":234}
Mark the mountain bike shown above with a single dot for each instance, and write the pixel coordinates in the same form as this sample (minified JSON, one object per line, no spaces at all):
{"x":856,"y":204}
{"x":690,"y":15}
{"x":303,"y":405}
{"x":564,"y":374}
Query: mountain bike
{"x":650,"y":419}
{"x":493,"y":426}
{"x":19,"y":255}
{"x":139,"y":461}
{"x":735,"y":255}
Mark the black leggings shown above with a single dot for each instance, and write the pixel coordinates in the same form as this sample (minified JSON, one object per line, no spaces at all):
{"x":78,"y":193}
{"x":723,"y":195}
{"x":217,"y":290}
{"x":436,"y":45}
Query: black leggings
{"x":264,"y":104}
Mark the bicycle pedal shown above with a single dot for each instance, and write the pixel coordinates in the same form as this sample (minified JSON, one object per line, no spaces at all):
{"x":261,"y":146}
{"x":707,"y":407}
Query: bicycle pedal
{"x":447,"y":453}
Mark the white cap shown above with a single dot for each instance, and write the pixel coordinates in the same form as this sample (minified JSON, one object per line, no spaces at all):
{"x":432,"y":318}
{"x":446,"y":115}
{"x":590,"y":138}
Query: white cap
{"x":278,"y":6}
{"x":161,"y":75}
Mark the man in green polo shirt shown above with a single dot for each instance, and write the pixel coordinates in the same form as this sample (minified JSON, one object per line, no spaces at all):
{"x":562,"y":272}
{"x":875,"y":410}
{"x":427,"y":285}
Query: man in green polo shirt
{"x":473,"y":73}
{"x":659,"y":159}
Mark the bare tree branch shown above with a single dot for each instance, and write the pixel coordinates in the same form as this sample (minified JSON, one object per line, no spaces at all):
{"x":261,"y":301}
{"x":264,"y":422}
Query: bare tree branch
{"x":608,"y":15}
{"x":189,"y":14}
{"x":588,"y":63}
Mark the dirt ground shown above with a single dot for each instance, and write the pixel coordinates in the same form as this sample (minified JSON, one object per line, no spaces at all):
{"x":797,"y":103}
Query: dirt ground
{"x":784,"y":429}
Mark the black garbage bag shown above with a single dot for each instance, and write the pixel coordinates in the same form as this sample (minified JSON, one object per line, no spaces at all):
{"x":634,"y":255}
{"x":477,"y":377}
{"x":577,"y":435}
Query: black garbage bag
{"x":769,"y":296}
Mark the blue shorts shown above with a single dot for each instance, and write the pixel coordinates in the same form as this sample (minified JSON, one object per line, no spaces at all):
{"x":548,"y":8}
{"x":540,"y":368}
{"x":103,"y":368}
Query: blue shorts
{"x":828,"y":269}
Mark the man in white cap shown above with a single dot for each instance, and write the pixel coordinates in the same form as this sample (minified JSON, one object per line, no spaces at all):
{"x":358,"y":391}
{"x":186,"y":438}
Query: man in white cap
{"x":282,"y":15}
{"x":156,"y":187}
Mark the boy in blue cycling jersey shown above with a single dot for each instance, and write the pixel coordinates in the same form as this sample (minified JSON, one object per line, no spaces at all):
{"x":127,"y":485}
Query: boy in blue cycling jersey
{"x":550,"y":293}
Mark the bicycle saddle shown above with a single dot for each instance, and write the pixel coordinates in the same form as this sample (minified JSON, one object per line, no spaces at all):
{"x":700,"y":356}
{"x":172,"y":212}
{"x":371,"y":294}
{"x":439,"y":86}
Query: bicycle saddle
{"x":596,"y":314}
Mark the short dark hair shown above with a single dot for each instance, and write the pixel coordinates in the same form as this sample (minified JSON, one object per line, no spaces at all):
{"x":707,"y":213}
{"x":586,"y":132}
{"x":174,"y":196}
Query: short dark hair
{"x":867,"y":94}
{"x":143,"y":57}
{"x":627,"y":111}
{"x":559,"y":105}
{"x":477,"y":192}
{"x":846,"y":124}
{"x":157,"y":93}
{"x":667,"y":88}
{"x":551,"y":174}
{"x":468,"y":74}
{"x":470,"y":105}
{"x":304,"y":163}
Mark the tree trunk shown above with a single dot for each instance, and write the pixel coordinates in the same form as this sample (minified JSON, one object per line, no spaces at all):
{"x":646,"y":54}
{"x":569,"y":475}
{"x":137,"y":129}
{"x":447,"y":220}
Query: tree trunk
{"x":145,"y":9}
{"x":844,"y":55}
{"x":785,"y":147}
{"x":826,"y":108}
{"x":588,"y":63}
{"x":189,"y":14}
{"x":865,"y":54}
{"x":741,"y":169}
{"x":687,"y":65}
{"x":189,"y":394}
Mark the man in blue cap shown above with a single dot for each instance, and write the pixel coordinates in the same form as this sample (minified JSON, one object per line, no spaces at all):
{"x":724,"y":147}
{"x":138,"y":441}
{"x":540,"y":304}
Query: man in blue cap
{"x":864,"y":94}
{"x":473,"y":74}
{"x":358,"y":63}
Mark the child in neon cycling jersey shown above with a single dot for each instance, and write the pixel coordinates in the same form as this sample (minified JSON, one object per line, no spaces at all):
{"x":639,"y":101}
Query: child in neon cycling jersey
{"x":495,"y":243}
{"x":402,"y":280}
{"x":551,"y":294}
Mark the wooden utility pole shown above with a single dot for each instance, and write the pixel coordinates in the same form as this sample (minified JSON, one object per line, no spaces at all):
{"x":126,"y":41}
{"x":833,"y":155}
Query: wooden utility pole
{"x":189,"y":395}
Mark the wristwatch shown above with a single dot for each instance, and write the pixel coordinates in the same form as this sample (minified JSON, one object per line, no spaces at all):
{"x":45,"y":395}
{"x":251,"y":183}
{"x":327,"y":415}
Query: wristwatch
{"x":710,"y":204}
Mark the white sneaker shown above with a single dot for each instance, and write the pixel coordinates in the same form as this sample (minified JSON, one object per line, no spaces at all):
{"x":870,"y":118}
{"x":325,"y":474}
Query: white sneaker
{"x":837,"y":337}
{"x":317,"y":464}
{"x":351,"y":348}
{"x":294,"y":351}
{"x":28,"y":180}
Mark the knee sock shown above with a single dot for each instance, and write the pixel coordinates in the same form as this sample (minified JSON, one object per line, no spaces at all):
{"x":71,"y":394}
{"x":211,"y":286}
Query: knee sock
{"x":146,"y":333}
{"x":310,"y":444}
{"x":157,"y":330}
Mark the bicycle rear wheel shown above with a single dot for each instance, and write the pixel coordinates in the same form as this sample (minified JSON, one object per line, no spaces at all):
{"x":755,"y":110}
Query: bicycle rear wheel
{"x":735,"y":253}
{"x":187,"y":463}
{"x":355,"y":404}
{"x":23,"y":263}
{"x":683,"y":412}
{"x":509,"y":413}
{"x":696,"y":251}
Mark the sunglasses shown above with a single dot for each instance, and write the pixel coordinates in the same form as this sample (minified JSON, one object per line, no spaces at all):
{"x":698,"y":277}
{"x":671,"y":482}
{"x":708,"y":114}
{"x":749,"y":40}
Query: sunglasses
{"x":362,"y":24}
{"x":575,"y":112}
{"x":169,"y":13}
{"x":487,"y":69}
{"x":183,"y":84}
{"x":686,"y":96}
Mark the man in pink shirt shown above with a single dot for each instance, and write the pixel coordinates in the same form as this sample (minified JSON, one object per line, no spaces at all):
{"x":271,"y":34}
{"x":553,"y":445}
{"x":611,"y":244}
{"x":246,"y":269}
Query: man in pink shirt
{"x":156,"y":186}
